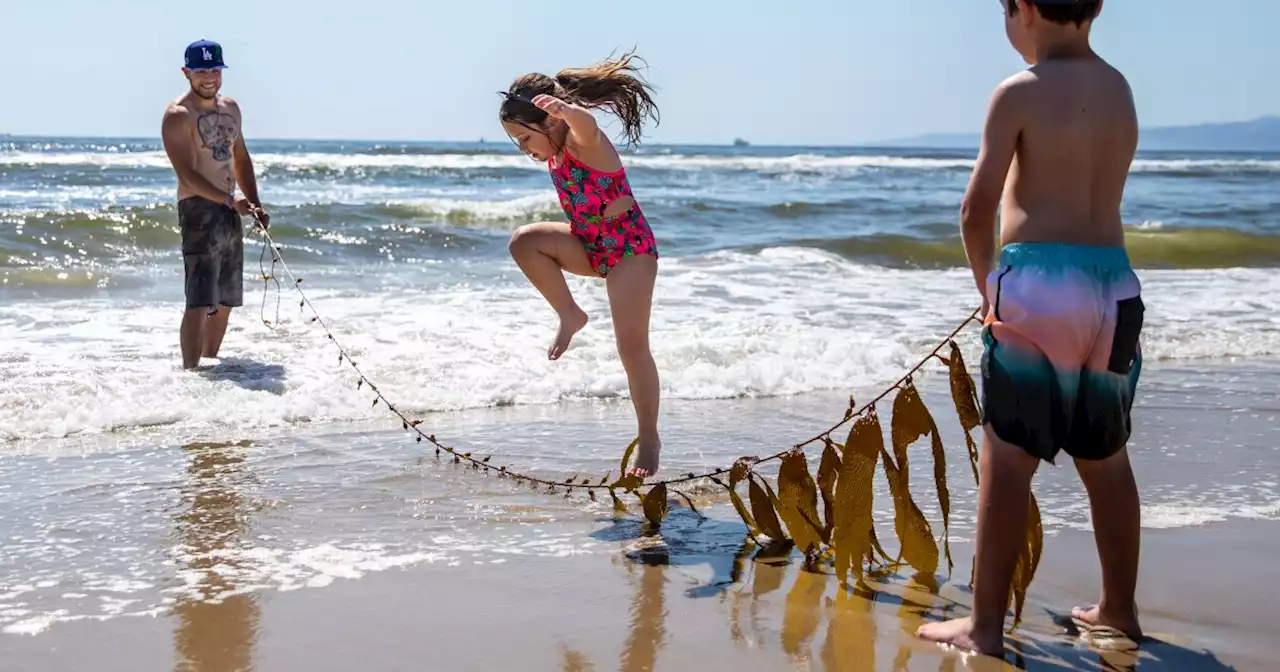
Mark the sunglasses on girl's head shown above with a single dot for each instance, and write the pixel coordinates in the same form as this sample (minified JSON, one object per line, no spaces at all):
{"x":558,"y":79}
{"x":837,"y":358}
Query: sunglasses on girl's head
{"x":514,"y":96}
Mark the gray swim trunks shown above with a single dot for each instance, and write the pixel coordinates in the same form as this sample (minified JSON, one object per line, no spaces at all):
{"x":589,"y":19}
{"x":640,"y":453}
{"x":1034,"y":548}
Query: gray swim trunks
{"x":212,"y":253}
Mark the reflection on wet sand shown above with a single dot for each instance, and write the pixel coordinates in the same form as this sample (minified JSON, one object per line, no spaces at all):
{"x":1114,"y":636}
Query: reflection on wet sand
{"x":801,"y":619}
{"x":215,"y":631}
{"x":574,"y":661}
{"x":759,"y":606}
{"x":857,"y":623}
{"x":648,"y":619}
{"x":647,"y":623}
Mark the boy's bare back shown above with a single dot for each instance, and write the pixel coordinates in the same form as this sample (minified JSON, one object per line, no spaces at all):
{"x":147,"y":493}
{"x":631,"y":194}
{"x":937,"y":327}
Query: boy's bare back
{"x":1076,"y":135}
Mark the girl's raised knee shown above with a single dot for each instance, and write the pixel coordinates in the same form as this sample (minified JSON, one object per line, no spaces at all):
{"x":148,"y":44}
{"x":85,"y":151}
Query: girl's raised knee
{"x":522,"y":240}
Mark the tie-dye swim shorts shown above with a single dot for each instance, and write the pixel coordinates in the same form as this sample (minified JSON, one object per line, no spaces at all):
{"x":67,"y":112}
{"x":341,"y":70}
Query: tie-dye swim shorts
{"x":1061,"y":354}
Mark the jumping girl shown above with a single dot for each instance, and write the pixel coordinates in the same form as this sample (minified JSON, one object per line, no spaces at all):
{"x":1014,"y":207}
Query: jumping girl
{"x":607,"y":236}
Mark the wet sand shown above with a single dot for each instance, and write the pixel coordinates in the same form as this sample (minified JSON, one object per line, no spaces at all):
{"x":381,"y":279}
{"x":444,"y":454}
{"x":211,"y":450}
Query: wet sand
{"x":347,"y":549}
{"x":655,"y":607}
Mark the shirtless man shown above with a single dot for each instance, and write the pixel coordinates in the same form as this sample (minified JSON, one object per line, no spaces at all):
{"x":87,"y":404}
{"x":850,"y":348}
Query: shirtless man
{"x":1061,"y":309}
{"x":201,"y":132}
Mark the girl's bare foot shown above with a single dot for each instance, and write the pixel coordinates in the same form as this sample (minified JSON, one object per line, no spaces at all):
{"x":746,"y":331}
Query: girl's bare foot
{"x":960,"y":634}
{"x":570,"y":323}
{"x":1094,"y":617}
{"x":647,"y":454}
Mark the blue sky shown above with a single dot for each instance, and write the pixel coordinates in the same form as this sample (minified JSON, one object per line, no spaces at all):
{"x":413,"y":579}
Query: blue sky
{"x":819,"y":71}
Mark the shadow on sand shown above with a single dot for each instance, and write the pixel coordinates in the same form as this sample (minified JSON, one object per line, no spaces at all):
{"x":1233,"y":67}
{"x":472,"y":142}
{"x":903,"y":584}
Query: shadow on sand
{"x":745,"y":573}
{"x":247,"y":373}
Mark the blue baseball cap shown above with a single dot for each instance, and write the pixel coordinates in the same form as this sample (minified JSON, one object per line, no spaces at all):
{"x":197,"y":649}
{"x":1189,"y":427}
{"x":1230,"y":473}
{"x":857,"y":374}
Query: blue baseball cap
{"x":204,"y":55}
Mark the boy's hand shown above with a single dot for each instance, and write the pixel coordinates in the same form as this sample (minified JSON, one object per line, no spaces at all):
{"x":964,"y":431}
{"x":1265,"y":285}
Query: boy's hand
{"x":551,"y":105}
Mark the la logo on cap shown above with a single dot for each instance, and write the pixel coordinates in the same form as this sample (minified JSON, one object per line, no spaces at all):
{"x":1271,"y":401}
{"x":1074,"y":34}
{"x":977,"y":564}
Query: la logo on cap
{"x":204,"y":55}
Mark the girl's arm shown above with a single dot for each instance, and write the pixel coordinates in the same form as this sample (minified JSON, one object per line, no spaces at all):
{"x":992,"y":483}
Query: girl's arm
{"x":582,"y":124}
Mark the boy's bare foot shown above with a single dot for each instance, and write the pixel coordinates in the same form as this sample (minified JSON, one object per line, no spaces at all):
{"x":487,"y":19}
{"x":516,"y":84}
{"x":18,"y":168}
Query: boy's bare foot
{"x":570,"y":324}
{"x":960,"y":634}
{"x":647,"y":454}
{"x":1095,"y":618}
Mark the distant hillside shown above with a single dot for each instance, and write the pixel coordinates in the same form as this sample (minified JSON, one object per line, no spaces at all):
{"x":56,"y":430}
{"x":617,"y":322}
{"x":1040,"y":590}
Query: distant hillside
{"x":1259,"y":135}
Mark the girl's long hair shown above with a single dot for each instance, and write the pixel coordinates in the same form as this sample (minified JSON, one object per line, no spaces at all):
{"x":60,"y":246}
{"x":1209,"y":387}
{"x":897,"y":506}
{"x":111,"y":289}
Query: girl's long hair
{"x":613,"y":84}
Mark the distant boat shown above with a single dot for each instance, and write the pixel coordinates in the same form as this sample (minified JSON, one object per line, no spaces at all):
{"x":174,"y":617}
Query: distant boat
{"x":739,"y":142}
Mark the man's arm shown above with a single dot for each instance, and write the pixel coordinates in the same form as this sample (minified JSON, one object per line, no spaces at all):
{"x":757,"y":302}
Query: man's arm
{"x":175,"y":131}
{"x":242,"y":163}
{"x":244,"y":172}
{"x":986,"y":185}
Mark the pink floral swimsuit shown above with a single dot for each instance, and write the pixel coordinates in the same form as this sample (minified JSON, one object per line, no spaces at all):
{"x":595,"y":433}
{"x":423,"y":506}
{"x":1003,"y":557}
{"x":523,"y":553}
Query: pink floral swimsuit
{"x":584,"y":195}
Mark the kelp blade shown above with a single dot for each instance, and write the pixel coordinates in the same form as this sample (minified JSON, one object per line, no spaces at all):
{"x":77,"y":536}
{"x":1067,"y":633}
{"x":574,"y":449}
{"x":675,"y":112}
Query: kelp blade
{"x":798,"y":501}
{"x":1028,"y":559}
{"x":828,"y":471}
{"x":655,"y":504}
{"x":918,"y":547}
{"x":851,"y":535}
{"x":762,"y":509}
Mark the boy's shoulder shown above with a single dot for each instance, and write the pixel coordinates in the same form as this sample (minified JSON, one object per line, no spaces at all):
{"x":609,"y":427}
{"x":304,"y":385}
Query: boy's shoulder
{"x":1019,"y":80}
{"x":1058,"y":74}
{"x":1010,"y":97}
{"x":1032,"y":85}
{"x":1025,"y":83}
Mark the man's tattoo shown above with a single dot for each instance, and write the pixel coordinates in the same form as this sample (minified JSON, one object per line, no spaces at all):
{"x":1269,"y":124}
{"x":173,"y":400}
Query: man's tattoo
{"x":217,"y":132}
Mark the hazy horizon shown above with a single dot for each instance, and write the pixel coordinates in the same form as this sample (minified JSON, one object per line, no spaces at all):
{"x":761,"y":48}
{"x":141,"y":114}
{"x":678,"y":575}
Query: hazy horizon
{"x":499,"y":139}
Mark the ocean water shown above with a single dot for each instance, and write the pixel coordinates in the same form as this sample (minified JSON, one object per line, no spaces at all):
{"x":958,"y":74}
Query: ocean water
{"x":789,"y":278}
{"x":784,"y":271}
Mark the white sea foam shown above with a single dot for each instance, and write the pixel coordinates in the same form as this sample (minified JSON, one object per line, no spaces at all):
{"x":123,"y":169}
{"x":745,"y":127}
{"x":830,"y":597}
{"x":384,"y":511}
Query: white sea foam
{"x":768,"y":164}
{"x":499,"y":210}
{"x":429,"y":200}
{"x":728,"y":324}
{"x":1203,"y":508}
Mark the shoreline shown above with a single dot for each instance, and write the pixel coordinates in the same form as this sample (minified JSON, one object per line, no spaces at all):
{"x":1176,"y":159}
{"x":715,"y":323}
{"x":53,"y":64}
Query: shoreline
{"x":654,"y":607}
{"x":822,"y":406}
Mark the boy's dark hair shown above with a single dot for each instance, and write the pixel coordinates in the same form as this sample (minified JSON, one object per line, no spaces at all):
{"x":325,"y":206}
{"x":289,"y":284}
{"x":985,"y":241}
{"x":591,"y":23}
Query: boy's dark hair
{"x":609,"y":84}
{"x":1061,"y":11}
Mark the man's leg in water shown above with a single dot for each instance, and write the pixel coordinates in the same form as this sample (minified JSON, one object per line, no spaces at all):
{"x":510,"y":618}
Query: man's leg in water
{"x":630,"y":286}
{"x":1003,"y":507}
{"x":198,"y":220}
{"x":1117,"y":522}
{"x":215,"y":327}
{"x":201,"y":279}
{"x":191,"y":336}
{"x":543,"y":251}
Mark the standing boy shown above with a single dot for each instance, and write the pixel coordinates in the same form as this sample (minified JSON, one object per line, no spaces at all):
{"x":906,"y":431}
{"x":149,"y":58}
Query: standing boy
{"x":1062,"y":313}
